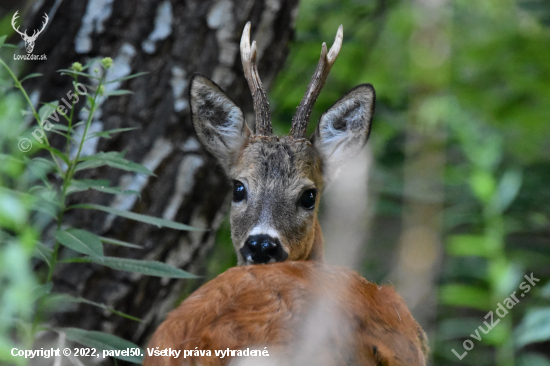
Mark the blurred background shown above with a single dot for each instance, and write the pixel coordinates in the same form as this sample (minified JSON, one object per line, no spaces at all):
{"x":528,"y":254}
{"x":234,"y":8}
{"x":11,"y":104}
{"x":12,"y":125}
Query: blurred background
{"x":449,"y":202}
{"x":459,"y":162}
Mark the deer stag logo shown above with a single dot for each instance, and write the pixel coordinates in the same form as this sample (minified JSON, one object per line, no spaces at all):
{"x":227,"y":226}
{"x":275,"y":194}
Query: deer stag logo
{"x":29,"y":41}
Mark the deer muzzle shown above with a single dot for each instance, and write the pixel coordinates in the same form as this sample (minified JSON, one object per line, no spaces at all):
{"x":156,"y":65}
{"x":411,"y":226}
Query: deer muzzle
{"x":261,"y":249}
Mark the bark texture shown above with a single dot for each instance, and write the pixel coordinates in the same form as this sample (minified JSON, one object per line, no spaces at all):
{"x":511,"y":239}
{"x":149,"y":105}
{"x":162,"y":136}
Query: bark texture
{"x":171,"y":40}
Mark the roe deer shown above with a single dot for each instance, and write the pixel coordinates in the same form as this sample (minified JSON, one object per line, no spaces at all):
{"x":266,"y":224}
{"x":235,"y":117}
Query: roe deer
{"x":303,"y":311}
{"x":277,"y":181}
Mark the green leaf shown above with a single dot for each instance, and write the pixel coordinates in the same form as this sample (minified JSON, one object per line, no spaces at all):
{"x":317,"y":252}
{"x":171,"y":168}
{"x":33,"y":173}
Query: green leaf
{"x":30,"y":76}
{"x":64,"y":135}
{"x":13,"y":213}
{"x":41,"y":167}
{"x":507,"y":190}
{"x":150,"y":268}
{"x":46,"y":207}
{"x":41,"y":290}
{"x":48,"y":195}
{"x":103,"y":341}
{"x":57,"y":114}
{"x":534,"y":328}
{"x":81,"y":185}
{"x":107,"y":134}
{"x":46,"y":111}
{"x":120,"y":242}
{"x":57,"y":153}
{"x":73,"y":72}
{"x":127,"y":77}
{"x":81,"y":241}
{"x":90,"y":100}
{"x":10,"y":157}
{"x":470,"y":245}
{"x":118,"y":92}
{"x":113,"y":159}
{"x":2,"y":40}
{"x":57,"y":299}
{"x":60,"y":127}
{"x":43,"y":252}
{"x":138,"y":217}
{"x":483,"y":185}
{"x":464,"y":295}
{"x":100,"y":185}
{"x":116,"y":190}
{"x":47,"y":162}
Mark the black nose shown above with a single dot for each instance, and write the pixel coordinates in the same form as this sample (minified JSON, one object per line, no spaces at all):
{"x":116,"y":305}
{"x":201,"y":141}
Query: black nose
{"x":263,"y":249}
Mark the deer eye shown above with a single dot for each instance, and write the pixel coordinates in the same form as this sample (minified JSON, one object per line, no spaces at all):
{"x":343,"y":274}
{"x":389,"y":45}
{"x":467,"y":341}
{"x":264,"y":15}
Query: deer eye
{"x":308,"y":199}
{"x":239,"y":192}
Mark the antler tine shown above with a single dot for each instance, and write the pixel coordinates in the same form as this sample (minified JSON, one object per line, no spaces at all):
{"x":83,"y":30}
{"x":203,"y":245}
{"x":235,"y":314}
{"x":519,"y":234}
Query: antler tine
{"x":13,"y":19}
{"x":35,"y":34}
{"x":261,"y":105}
{"x":327,"y":59}
{"x":44,"y":22}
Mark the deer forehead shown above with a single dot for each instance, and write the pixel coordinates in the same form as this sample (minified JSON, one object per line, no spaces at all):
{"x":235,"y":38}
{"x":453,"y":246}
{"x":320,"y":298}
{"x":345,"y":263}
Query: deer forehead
{"x":279,"y":163}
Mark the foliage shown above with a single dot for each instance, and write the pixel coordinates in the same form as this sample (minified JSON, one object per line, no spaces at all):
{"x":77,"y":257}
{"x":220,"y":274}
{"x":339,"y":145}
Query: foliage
{"x":34,"y":197}
{"x":478,"y":72}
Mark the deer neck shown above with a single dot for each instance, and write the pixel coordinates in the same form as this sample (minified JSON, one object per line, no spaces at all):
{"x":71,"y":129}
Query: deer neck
{"x":317,"y":252}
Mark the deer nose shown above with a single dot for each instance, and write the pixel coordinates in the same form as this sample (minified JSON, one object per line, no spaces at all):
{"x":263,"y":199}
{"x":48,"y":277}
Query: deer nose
{"x":259,"y":249}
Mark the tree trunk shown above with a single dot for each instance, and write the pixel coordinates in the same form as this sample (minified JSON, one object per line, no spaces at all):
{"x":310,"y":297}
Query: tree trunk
{"x":170,"y":40}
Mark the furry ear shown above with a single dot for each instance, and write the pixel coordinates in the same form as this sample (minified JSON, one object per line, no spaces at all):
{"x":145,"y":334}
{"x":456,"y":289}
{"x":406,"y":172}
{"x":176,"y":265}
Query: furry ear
{"x":218,"y":122}
{"x":344,"y":128}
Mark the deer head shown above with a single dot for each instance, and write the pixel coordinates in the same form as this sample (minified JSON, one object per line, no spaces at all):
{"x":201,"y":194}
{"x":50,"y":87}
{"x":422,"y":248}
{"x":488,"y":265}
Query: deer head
{"x":29,"y":41}
{"x":277,"y":181}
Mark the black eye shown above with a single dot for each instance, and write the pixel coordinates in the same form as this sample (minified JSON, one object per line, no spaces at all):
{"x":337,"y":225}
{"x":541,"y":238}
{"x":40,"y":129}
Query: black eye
{"x":308,"y":199}
{"x":239,"y":192}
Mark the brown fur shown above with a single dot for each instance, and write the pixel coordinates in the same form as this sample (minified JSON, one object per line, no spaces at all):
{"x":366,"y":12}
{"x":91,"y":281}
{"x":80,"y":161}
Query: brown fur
{"x":304,"y":312}
{"x":317,"y":252}
{"x":270,"y":306}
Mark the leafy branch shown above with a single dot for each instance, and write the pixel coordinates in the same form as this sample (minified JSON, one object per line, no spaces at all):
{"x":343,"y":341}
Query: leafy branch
{"x":52,"y":198}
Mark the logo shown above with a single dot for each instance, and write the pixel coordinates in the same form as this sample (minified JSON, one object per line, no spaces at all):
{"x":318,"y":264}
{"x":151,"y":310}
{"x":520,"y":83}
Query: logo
{"x":29,"y":40}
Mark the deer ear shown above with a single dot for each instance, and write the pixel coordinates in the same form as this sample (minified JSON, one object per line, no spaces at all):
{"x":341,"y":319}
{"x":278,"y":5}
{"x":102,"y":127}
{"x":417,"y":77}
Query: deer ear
{"x":344,"y":128}
{"x":218,"y":122}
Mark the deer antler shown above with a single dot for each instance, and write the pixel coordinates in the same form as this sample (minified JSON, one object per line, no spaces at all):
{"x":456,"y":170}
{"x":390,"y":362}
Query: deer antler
{"x":301,"y":118}
{"x":261,"y":105}
{"x":13,"y":19}
{"x":34,"y":34}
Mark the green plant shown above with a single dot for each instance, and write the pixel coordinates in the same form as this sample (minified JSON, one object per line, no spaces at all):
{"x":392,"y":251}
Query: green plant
{"x":27,"y":193}
{"x":481,"y":272}
{"x":494,"y":192}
